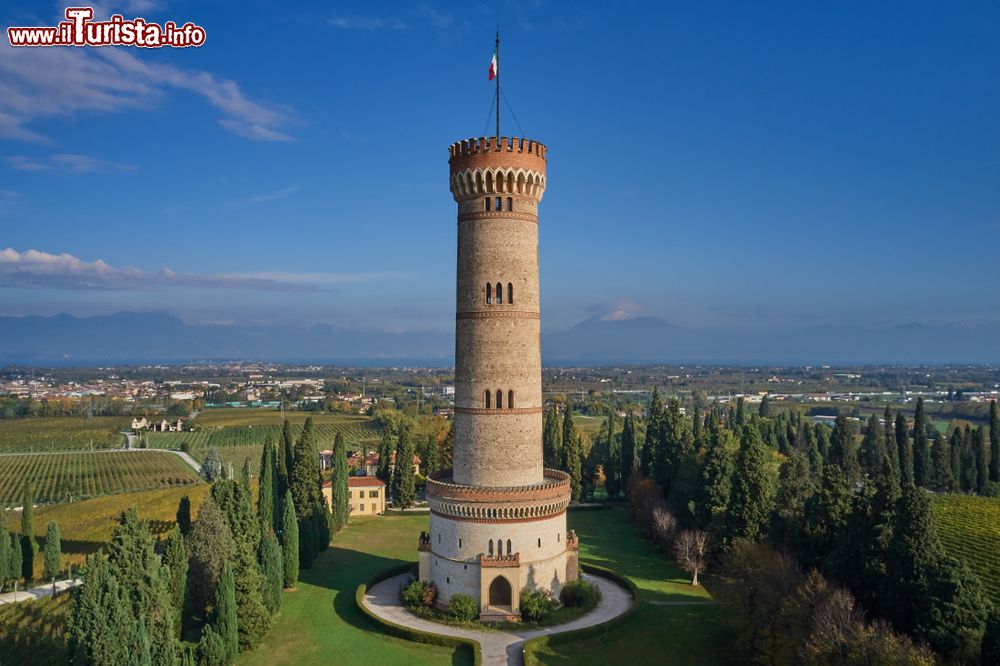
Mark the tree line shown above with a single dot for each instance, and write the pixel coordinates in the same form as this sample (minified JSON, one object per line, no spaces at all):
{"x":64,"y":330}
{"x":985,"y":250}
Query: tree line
{"x":216,"y":579}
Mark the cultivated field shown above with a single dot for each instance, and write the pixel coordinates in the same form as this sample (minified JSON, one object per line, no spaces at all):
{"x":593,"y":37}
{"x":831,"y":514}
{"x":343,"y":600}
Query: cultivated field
{"x":62,"y":433}
{"x":969,"y":526}
{"x":355,"y":431}
{"x":59,"y":477}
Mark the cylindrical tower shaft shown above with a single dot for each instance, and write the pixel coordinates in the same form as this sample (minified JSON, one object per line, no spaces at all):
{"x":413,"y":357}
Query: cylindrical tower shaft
{"x":498,"y":398}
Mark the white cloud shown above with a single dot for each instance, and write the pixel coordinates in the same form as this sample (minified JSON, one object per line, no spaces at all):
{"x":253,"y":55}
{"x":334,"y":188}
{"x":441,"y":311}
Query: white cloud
{"x":268,"y":196}
{"x":42,"y":83}
{"x":365,"y":23}
{"x":68,"y":162}
{"x":34,"y":269}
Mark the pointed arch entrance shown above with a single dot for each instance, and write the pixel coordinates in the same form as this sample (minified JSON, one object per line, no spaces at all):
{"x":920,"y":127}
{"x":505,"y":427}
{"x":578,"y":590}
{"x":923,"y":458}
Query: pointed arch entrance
{"x":501,"y":594}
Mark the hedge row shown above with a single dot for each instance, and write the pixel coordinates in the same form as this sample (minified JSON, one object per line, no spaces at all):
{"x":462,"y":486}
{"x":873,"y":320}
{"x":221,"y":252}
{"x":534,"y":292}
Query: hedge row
{"x":532,"y":647}
{"x":409,"y":633}
{"x":589,"y":507}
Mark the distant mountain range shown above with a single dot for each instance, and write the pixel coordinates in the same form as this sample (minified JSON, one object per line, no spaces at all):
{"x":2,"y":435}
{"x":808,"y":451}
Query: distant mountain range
{"x":131,"y":337}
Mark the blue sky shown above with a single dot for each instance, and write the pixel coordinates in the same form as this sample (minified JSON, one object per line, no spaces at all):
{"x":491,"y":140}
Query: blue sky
{"x":741,"y":164}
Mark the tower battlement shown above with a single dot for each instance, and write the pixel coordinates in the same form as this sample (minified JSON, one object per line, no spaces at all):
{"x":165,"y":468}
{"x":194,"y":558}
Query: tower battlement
{"x":511,"y":152}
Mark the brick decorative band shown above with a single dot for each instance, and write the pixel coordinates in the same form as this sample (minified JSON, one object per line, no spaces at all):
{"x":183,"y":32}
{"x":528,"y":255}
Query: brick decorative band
{"x":498,"y":314}
{"x":468,"y":519}
{"x":498,"y":412}
{"x":502,"y":215}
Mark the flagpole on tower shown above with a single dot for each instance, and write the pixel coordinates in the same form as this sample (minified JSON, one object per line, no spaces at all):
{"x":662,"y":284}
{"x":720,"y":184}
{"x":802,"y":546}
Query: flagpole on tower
{"x":498,"y":85}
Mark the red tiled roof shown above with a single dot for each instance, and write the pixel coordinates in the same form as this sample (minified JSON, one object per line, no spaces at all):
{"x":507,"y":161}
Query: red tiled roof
{"x":364,"y":481}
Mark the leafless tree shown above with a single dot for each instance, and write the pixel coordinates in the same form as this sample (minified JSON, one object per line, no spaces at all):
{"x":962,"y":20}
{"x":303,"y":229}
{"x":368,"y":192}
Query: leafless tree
{"x":662,"y":526}
{"x":689,"y":550}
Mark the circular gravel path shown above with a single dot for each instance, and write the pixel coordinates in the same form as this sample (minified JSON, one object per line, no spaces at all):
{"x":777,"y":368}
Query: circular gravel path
{"x":500,"y":648}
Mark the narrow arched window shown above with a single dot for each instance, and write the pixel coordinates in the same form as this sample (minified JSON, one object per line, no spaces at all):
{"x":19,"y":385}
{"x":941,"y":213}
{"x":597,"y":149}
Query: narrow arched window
{"x":487,"y":204}
{"x":508,"y":547}
{"x":486,"y":398}
{"x":489,"y":293}
{"x":499,"y":399}
{"x":510,"y":203}
{"x":499,"y":204}
{"x":510,"y":399}
{"x":491,"y":547}
{"x":499,"y":546}
{"x":499,"y":293}
{"x":510,"y":292}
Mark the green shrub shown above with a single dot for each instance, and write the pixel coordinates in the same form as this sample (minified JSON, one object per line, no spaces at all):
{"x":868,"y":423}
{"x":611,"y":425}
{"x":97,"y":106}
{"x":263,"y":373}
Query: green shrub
{"x":463,"y":607}
{"x":536,"y":606}
{"x":419,"y":593}
{"x":580,"y":593}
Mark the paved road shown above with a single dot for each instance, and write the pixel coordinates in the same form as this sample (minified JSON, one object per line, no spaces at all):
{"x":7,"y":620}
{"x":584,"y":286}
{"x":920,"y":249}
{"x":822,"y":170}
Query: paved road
{"x":38,"y":592}
{"x":500,"y":648}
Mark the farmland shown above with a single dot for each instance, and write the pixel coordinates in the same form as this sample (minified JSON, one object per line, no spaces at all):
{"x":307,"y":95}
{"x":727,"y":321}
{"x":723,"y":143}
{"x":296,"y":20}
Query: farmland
{"x":969,"y":526}
{"x":60,"y":477}
{"x":62,"y":433}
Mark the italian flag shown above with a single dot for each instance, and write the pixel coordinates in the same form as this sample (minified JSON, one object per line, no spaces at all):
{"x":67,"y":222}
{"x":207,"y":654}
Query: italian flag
{"x":493,"y":67}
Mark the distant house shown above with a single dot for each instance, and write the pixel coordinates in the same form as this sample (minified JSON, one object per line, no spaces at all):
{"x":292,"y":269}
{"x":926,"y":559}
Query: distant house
{"x":158,"y":426}
{"x":140,"y":424}
{"x":367,"y":495}
{"x":325,"y":459}
{"x":366,"y":464}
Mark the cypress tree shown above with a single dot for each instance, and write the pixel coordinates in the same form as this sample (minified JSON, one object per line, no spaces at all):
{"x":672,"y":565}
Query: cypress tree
{"x":143,"y":580}
{"x":211,"y":466}
{"x":404,"y":488}
{"x":764,"y":411}
{"x":752,"y":496}
{"x":613,"y":465}
{"x":290,"y":542}
{"x":941,"y":479}
{"x":842,"y":450}
{"x":551,"y":439}
{"x":994,"y":442}
{"x":716,"y":480}
{"x":211,"y":546}
{"x":970,"y":472}
{"x":573,"y":449}
{"x":175,"y":559}
{"x":955,"y":454}
{"x":981,"y":450}
{"x":184,"y":515}
{"x":272,"y":569}
{"x":989,"y":653}
{"x":872,"y":447}
{"x":432,"y":464}
{"x":566,"y":436}
{"x":225,"y":616}
{"x":921,"y":449}
{"x":648,"y":453}
{"x":889,"y":440}
{"x":341,"y":490}
{"x":53,"y":551}
{"x":16,"y":566}
{"x":905,"y":452}
{"x":234,"y":502}
{"x":286,"y":458}
{"x":4,"y":550}
{"x":28,"y":544}
{"x":305,"y":492}
{"x":384,"y":470}
{"x":267,"y":499}
{"x":447,"y":448}
{"x":628,"y":457}
{"x":101,"y":619}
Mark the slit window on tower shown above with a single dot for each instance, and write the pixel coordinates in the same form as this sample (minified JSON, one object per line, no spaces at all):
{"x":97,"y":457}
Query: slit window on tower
{"x":499,"y":204}
{"x":510,"y":292}
{"x":491,"y":547}
{"x":489,"y":293}
{"x":499,"y":293}
{"x":509,"y":549}
{"x":510,"y":203}
{"x":510,"y":399}
{"x":487,"y":204}
{"x":486,"y":398}
{"x":499,"y":399}
{"x":499,"y":547}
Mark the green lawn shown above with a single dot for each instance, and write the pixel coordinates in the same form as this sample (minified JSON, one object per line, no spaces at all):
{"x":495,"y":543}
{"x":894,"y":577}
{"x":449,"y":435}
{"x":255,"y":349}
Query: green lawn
{"x":319,"y":622}
{"x":666,"y":628}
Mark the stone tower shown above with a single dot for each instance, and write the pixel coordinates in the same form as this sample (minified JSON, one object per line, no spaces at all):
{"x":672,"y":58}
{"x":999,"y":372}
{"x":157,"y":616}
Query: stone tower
{"x":498,"y":518}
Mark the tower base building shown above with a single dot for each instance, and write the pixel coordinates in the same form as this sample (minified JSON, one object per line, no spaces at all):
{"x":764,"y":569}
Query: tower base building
{"x":498,"y":518}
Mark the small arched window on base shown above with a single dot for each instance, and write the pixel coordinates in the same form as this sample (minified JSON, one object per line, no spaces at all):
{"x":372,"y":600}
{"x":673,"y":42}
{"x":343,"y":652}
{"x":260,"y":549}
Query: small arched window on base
{"x":486,"y":398}
{"x":499,"y":399}
{"x":510,"y":292}
{"x":499,"y":294}
{"x":510,"y":399}
{"x":489,"y":293}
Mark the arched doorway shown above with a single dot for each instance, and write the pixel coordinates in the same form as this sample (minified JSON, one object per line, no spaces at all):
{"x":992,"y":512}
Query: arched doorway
{"x":500,"y":593}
